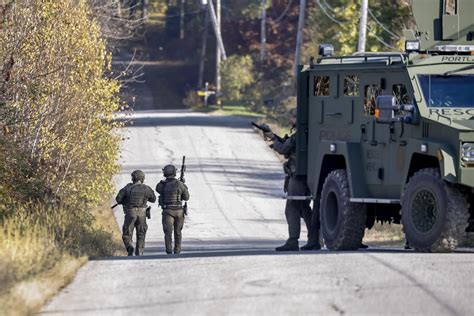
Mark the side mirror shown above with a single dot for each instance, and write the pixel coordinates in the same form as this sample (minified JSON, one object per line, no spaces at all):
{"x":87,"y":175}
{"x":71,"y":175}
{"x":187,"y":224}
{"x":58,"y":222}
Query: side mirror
{"x":385,"y":107}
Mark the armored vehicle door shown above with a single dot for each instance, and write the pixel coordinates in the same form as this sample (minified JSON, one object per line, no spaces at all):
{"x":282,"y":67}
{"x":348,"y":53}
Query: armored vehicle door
{"x":333,"y":112}
{"x":398,"y":84}
{"x":375,"y":138}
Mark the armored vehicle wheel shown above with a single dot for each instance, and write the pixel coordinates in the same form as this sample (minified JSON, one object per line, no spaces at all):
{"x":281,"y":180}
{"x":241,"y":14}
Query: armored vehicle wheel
{"x":342,"y":222}
{"x":435,"y":214}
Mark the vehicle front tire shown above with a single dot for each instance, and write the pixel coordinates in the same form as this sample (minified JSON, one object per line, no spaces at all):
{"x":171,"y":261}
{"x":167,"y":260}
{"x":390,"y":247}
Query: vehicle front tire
{"x":435,"y":214}
{"x":342,"y":222}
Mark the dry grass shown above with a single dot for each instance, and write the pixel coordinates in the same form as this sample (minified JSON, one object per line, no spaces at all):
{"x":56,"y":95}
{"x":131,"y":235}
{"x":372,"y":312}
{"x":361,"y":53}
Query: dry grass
{"x":28,"y":296}
{"x":386,"y":235}
{"x":42,"y":248}
{"x":106,"y":221}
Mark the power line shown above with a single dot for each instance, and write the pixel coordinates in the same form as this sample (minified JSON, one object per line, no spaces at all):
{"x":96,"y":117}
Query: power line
{"x":332,"y":18}
{"x":284,"y":11}
{"x":326,"y":7}
{"x":379,"y":39}
{"x":396,"y":36}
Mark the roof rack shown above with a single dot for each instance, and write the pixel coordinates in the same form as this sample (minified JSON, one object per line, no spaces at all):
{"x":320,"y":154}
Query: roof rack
{"x":359,"y":58}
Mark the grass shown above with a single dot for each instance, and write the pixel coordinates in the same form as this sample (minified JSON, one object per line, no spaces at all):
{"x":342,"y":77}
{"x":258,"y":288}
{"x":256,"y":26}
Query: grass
{"x":26,"y":297}
{"x":41,"y":249}
{"x":235,"y":110}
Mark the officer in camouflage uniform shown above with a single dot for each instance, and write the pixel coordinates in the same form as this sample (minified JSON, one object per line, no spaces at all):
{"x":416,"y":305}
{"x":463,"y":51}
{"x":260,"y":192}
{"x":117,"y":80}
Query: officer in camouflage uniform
{"x":134,"y":197}
{"x":296,"y":186}
{"x":172,"y":192}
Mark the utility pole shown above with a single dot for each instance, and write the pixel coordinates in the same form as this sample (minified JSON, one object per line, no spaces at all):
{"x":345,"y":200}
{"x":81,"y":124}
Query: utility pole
{"x":217,"y":31}
{"x":181,"y":20}
{"x":263,"y":36}
{"x":203,"y":50}
{"x":299,"y":36}
{"x":364,"y":7}
{"x":218,"y":53}
{"x":220,"y":50}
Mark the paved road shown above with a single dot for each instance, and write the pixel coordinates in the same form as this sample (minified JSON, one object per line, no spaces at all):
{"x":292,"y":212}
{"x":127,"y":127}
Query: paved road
{"x":228,"y":265}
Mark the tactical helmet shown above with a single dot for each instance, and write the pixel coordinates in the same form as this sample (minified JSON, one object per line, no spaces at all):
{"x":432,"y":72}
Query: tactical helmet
{"x":169,"y":171}
{"x":138,"y":175}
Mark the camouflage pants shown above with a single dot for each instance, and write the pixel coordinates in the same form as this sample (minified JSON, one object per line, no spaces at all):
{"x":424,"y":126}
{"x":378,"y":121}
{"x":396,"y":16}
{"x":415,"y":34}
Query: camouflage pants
{"x":173,"y":221}
{"x":296,"y":209}
{"x":135,"y":218}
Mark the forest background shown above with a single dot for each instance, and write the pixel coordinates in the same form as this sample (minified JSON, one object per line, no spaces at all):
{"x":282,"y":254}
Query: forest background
{"x":176,"y":28}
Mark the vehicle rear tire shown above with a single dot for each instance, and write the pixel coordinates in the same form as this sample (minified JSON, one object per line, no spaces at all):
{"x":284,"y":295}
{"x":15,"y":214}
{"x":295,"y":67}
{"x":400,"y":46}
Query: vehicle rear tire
{"x":435,"y":214}
{"x":342,"y":222}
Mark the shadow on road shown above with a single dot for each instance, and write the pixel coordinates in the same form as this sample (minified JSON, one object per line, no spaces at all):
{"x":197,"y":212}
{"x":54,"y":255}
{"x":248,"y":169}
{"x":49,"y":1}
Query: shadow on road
{"x":150,"y":119}
{"x":257,"y":178}
{"x":237,"y":248}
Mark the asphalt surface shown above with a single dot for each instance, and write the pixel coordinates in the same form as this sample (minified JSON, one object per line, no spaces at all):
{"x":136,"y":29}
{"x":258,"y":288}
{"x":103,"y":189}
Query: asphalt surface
{"x":228,"y":265}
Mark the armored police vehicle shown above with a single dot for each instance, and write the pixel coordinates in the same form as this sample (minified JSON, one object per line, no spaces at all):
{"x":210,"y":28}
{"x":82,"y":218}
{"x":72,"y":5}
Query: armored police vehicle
{"x":390,"y":136}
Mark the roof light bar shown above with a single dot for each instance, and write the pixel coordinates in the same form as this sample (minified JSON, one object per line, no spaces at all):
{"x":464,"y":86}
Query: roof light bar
{"x":454,"y":48}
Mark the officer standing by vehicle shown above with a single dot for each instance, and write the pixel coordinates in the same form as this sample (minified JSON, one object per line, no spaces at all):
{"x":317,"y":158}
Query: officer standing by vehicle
{"x":134,"y":197}
{"x":172,"y":193}
{"x":295,"y":186}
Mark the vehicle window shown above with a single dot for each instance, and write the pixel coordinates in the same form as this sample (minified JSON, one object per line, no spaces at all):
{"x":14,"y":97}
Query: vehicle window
{"x":371,"y":93}
{"x":450,"y":7}
{"x":351,"y":86}
{"x":401,"y":93}
{"x":454,"y":91}
{"x":321,"y":86}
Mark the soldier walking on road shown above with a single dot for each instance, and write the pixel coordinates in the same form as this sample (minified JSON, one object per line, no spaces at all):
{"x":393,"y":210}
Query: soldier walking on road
{"x":172,"y":193}
{"x":295,"y":185}
{"x":134,"y":197}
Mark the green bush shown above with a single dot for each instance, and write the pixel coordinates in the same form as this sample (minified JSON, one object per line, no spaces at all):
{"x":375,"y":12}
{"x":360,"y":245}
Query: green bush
{"x":237,"y":76}
{"x":192,"y":100}
{"x":56,"y":105}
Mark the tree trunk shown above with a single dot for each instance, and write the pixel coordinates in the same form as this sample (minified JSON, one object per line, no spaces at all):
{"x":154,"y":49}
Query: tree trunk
{"x":181,"y":20}
{"x":263,"y":36}
{"x":218,"y":53}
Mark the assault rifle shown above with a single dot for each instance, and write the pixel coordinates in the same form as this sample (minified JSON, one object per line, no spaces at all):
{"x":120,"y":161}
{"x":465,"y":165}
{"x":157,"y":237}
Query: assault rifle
{"x":181,"y":178}
{"x":266,"y":129}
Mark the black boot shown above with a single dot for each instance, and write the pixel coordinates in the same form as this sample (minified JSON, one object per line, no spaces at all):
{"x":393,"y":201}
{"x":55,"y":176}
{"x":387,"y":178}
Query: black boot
{"x":130,"y":251}
{"x":311,"y":246}
{"x":290,"y":245}
{"x":407,"y":245}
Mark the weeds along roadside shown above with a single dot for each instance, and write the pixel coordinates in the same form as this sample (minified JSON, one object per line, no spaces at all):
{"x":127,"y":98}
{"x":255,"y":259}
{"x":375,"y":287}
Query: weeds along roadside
{"x":42,"y":248}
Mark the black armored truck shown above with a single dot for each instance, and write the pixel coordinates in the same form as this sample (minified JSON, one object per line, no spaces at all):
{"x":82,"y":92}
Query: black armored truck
{"x":390,"y":136}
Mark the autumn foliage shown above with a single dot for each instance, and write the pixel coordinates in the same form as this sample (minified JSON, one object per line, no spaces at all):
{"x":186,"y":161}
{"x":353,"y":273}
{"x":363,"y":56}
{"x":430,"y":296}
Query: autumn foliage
{"x":56,"y":105}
